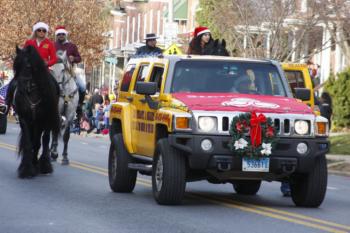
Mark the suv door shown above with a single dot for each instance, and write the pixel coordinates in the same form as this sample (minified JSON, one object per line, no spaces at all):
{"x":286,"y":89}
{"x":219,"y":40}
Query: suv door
{"x":144,"y":130}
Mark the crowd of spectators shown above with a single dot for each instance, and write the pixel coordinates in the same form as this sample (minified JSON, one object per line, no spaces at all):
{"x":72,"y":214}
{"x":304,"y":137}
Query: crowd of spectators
{"x":96,"y":111}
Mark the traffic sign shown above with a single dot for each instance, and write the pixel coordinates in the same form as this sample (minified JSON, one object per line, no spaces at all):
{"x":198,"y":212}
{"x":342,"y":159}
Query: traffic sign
{"x":173,"y":50}
{"x":111,"y":60}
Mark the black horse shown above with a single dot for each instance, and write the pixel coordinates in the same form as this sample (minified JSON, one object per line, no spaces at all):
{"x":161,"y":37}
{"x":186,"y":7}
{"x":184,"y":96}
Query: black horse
{"x":219,"y":48}
{"x":35,"y":100}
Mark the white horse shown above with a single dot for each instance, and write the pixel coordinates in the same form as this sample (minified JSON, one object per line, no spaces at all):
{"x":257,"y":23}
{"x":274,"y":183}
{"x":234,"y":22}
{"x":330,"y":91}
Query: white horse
{"x":68,"y":102}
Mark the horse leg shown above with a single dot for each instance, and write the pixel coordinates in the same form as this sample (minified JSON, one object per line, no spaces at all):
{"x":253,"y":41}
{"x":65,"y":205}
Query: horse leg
{"x":44,"y":161}
{"x":65,"y":160}
{"x":36,"y":146}
{"x":26,"y":168}
{"x":54,"y":144}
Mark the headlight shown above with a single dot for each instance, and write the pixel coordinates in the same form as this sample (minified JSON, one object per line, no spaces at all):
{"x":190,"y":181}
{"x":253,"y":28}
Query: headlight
{"x":301,"y":127}
{"x":207,"y":124}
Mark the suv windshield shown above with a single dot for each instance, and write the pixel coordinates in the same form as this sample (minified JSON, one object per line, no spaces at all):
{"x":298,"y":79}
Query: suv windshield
{"x":227,"y":77}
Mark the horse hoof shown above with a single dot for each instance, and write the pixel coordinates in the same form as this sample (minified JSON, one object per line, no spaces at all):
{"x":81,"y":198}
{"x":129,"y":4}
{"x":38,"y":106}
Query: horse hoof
{"x":27,"y":172}
{"x":65,"y":162}
{"x":54,"y":156}
{"x":45,"y":167}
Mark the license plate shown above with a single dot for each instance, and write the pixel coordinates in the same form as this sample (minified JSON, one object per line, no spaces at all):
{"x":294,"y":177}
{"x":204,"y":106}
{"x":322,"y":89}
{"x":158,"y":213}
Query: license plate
{"x":255,"y":165}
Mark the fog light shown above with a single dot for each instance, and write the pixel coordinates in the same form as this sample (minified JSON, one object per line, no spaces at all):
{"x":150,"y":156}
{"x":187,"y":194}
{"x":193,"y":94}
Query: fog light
{"x":302,"y":148}
{"x":206,"y":145}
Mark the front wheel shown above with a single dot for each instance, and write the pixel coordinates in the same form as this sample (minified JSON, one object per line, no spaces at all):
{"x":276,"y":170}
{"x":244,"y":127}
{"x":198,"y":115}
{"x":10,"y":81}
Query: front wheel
{"x":309,"y":190}
{"x":121,"y":178}
{"x":246,"y":187}
{"x":168,"y":175}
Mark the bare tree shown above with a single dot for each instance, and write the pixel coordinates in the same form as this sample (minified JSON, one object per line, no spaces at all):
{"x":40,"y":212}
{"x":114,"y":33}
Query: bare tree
{"x":85,"y":20}
{"x":276,"y":29}
{"x":335,"y":15}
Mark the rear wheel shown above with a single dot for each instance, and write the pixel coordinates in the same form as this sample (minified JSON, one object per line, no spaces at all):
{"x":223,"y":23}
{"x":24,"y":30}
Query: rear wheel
{"x":121,"y":178}
{"x":246,"y":187}
{"x":168,"y":175}
{"x":3,"y":123}
{"x":309,"y":190}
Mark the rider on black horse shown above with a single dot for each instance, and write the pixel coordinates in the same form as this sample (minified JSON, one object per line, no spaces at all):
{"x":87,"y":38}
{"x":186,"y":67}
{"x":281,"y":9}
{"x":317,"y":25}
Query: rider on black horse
{"x":73,"y":55}
{"x":46,"y":50}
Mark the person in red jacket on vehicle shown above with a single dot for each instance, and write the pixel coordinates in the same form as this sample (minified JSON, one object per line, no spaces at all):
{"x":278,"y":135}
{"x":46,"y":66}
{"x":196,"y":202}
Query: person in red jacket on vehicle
{"x":46,"y":50}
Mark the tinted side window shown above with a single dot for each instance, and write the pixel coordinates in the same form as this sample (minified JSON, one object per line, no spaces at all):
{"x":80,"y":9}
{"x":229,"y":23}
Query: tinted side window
{"x":295,"y":79}
{"x":156,"y":76}
{"x":127,"y":78}
{"x":142,"y":74}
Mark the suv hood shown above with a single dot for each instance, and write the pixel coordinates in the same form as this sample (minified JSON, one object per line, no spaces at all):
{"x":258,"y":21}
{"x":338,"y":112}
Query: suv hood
{"x":241,"y":103}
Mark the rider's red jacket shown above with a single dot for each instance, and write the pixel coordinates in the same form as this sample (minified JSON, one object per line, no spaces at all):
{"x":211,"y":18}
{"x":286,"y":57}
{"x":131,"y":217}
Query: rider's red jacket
{"x":46,"y":50}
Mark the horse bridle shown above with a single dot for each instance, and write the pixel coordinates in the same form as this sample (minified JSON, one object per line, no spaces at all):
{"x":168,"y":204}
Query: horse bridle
{"x":30,"y":87}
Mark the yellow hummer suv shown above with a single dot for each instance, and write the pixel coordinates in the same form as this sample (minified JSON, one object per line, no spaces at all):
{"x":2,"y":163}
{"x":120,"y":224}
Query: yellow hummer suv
{"x":174,"y":121}
{"x":298,"y":76}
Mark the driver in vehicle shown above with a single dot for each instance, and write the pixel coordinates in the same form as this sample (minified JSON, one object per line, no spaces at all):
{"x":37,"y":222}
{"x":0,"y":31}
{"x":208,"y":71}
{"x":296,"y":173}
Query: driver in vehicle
{"x":244,"y":85}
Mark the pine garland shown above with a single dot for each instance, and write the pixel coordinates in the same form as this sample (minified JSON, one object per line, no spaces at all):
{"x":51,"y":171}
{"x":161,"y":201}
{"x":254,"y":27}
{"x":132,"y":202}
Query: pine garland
{"x":241,"y":144}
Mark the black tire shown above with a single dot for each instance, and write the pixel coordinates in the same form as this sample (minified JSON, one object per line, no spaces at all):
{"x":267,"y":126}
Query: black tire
{"x":3,"y":123}
{"x":246,"y":187}
{"x":309,"y":190}
{"x":121,"y":178}
{"x":168,"y":182}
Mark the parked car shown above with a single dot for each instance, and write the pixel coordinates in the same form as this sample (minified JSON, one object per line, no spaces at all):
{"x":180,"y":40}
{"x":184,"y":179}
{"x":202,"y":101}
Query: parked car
{"x":189,"y":118}
{"x":3,"y":118}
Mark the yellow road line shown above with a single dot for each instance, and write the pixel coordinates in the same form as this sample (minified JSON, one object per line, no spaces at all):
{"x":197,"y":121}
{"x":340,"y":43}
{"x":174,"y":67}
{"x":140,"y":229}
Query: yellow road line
{"x":257,"y":209}
{"x":295,"y":215}
{"x":271,"y":215}
{"x":254,"y":208}
{"x":90,"y":166}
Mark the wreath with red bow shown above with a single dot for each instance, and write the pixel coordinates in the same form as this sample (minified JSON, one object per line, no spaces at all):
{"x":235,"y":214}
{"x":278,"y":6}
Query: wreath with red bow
{"x":252,"y":135}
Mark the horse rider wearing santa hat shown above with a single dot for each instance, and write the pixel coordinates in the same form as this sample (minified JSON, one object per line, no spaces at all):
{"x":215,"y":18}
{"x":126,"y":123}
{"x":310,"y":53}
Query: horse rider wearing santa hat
{"x":43,"y":45}
{"x":45,"y":48}
{"x":202,"y":42}
{"x":62,"y":43}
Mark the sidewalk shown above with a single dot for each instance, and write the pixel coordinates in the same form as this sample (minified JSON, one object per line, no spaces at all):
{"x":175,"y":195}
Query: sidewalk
{"x":345,"y":158}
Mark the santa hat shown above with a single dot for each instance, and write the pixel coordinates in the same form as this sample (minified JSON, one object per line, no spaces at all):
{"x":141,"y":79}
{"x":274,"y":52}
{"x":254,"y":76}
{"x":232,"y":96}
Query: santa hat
{"x":200,"y":30}
{"x":40,"y":25}
{"x":61,"y":29}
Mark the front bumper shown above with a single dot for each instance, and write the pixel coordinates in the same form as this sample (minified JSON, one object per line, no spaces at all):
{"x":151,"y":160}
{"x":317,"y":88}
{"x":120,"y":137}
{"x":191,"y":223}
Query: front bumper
{"x":284,"y":158}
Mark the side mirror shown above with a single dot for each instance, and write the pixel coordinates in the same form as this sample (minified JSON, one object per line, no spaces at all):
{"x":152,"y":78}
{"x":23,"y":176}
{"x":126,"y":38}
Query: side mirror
{"x":146,"y":88}
{"x":303,"y":94}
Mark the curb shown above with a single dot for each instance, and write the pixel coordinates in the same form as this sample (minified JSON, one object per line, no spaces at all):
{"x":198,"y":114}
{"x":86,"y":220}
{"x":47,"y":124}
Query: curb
{"x":335,"y":172}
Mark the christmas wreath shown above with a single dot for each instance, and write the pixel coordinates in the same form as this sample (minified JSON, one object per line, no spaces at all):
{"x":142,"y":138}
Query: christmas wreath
{"x":252,"y":135}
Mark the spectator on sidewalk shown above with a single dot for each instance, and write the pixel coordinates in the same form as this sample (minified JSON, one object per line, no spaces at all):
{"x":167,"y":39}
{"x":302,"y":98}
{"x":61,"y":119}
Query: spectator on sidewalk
{"x":96,"y":98}
{"x":326,"y":107}
{"x":106,"y":109}
{"x":98,"y":118}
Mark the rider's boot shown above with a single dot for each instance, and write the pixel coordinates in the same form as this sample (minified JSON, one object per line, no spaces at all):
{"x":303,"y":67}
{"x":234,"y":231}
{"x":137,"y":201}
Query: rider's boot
{"x":80,"y":104}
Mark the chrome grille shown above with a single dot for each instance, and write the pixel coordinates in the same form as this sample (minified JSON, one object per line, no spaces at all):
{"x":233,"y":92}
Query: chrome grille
{"x":284,"y":123}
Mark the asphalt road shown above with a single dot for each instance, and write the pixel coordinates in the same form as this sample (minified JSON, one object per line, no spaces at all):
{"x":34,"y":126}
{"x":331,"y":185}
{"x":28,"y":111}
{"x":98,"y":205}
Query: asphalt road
{"x":77,"y":198}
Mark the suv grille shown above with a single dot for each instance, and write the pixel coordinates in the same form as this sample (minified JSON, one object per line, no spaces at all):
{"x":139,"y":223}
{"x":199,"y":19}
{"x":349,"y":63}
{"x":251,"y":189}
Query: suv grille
{"x":284,"y":123}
